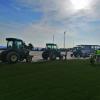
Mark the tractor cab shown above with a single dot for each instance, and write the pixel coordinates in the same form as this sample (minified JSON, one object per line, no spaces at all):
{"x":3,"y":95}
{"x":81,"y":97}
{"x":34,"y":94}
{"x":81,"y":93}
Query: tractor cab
{"x":51,"y":46}
{"x":13,"y":43}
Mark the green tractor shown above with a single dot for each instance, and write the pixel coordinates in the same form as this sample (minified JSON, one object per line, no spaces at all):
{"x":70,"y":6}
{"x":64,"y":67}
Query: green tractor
{"x":51,"y":52}
{"x":16,"y":51}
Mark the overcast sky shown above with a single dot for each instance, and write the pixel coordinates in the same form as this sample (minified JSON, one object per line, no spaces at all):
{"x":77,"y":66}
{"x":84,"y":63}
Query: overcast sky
{"x":36,"y":21}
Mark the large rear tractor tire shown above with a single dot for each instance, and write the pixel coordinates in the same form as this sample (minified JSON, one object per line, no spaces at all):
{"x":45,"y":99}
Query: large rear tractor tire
{"x":12,"y":57}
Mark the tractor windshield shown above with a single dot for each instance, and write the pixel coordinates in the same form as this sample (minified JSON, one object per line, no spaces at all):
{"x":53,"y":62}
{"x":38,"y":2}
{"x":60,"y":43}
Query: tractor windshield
{"x":18,"y":44}
{"x":51,"y":46}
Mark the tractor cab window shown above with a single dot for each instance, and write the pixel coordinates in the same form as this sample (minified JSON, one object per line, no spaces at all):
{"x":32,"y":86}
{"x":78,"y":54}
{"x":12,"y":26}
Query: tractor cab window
{"x":10,"y":44}
{"x":19,"y":45}
{"x":51,"y":47}
{"x":54,"y":47}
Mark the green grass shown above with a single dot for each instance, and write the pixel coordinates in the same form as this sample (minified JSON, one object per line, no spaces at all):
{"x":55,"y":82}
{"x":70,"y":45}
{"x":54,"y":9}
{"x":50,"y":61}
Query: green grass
{"x":58,"y":80}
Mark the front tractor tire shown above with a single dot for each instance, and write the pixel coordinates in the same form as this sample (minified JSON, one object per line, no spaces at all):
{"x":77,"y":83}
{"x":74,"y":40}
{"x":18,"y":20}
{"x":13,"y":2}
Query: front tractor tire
{"x":12,"y":57}
{"x":45,"y":56}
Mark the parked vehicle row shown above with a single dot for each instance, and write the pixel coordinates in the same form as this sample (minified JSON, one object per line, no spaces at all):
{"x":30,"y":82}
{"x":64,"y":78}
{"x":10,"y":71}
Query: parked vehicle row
{"x":18,"y":51}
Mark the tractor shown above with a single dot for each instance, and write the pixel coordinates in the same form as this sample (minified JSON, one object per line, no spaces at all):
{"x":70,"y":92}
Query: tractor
{"x":51,"y":52}
{"x":16,"y":51}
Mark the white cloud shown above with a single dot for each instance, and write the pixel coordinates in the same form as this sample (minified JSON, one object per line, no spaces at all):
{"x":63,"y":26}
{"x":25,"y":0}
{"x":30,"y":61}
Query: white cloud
{"x":58,"y":16}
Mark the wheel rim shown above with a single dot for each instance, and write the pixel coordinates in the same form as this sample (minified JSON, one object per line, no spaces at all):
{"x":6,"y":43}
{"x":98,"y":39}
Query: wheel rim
{"x":13,"y":58}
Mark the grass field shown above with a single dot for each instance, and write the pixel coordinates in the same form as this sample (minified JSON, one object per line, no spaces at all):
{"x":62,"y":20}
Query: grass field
{"x":58,"y":80}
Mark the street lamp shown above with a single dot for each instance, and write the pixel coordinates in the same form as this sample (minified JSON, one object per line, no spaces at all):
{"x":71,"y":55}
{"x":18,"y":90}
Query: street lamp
{"x":64,"y":39}
{"x":53,"y":39}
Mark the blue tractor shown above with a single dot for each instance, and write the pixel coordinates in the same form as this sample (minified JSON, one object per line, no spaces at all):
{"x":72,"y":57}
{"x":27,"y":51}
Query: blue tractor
{"x":16,"y":51}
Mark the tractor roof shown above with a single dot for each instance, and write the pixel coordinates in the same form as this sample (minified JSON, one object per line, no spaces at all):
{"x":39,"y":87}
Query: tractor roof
{"x":88,"y":45}
{"x":13,"y":39}
{"x":51,"y":44}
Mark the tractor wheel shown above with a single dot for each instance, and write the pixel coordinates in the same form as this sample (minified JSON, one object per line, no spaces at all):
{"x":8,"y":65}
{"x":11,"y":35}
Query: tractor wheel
{"x":12,"y":57}
{"x":29,"y":59}
{"x":45,"y":55}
